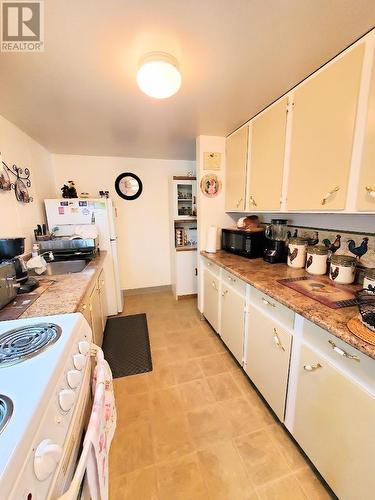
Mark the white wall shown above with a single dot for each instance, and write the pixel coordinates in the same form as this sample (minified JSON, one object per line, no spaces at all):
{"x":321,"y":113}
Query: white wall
{"x":19,"y":219}
{"x":143,"y":223}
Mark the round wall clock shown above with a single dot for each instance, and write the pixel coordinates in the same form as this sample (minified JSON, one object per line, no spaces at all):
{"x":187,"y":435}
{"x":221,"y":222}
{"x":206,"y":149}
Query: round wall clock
{"x":128,"y":186}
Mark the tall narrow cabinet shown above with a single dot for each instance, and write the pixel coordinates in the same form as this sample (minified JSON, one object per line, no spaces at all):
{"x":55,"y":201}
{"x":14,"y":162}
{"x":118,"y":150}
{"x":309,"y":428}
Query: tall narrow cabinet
{"x":183,"y":236}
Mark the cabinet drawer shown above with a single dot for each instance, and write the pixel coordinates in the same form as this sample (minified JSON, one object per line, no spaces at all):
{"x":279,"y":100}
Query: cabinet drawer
{"x":279,"y":312}
{"x":234,"y":282}
{"x":213,"y":268}
{"x":347,"y":358}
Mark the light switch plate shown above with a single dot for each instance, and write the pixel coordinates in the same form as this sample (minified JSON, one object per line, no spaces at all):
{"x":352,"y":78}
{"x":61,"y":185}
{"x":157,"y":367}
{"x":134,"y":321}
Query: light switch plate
{"x":211,"y":161}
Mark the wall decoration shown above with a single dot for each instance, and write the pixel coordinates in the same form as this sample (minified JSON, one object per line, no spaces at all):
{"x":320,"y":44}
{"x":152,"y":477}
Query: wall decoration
{"x":69,"y":190}
{"x":210,"y":185}
{"x":128,"y":186}
{"x":20,"y":184}
{"x":211,"y":161}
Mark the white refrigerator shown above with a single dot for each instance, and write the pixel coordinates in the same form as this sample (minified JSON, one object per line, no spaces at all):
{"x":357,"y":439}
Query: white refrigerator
{"x":64,"y":215}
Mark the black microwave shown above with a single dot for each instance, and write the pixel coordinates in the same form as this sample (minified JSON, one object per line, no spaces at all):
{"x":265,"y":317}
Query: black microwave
{"x":249,"y":244}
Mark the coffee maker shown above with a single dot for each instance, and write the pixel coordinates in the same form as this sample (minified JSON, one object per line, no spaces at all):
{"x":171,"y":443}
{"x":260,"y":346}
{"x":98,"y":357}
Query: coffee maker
{"x":275,"y":247}
{"x":11,"y":250}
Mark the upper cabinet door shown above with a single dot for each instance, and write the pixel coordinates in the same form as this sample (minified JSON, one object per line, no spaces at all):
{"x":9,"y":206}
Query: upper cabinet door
{"x":265,"y":173}
{"x":322,"y":135}
{"x":366,"y":187}
{"x":235,"y":171}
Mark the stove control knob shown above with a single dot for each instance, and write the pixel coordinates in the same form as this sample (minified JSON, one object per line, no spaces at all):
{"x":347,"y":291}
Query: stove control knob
{"x":83,"y":346}
{"x":74,"y":378}
{"x":47,"y":456}
{"x":79,"y":361}
{"x":66,"y":399}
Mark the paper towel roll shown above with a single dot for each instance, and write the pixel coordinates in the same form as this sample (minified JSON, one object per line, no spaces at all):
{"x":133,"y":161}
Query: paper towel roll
{"x":211,"y":239}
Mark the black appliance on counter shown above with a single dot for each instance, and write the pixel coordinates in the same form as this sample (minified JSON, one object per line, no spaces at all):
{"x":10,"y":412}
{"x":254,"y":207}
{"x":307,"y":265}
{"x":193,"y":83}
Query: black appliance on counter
{"x":11,"y":250}
{"x":276,"y":236}
{"x":248,"y":244}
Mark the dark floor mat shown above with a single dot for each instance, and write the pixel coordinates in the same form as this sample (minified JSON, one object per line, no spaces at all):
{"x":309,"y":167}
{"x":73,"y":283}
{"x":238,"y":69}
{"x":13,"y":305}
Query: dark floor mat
{"x":126,"y":345}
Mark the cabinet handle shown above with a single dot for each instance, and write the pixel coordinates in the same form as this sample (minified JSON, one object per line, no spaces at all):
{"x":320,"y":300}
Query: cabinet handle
{"x":371,"y":191}
{"x":267,"y":302}
{"x":277,"y":340}
{"x":342,"y":352}
{"x":231,"y":279}
{"x":329,"y":194}
{"x":239,"y":202}
{"x":311,"y":368}
{"x":84,"y":307}
{"x":252,"y":201}
{"x":214,"y":286}
{"x":224,"y":293}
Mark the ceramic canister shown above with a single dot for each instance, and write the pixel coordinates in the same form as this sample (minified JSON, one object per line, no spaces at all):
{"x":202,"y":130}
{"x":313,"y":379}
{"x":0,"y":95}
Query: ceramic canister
{"x":297,"y":252}
{"x":316,"y":259}
{"x":342,"y":269}
{"x":369,"y":281}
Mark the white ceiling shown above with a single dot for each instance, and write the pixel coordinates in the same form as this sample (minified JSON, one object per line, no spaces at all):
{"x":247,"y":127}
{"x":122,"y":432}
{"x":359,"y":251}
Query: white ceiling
{"x":236,"y":56}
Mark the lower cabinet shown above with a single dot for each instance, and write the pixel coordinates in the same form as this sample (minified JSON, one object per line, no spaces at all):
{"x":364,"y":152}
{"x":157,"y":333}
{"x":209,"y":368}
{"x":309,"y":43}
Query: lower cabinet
{"x":211,"y":299}
{"x":334,"y":425}
{"x":103,"y":299}
{"x":232,"y":325}
{"x":96,"y":317}
{"x":267,"y":358}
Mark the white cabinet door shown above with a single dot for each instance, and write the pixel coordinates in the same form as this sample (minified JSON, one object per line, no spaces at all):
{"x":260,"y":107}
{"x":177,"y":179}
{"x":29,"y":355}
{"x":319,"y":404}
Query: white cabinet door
{"x":233,"y":321}
{"x":211,"y":299}
{"x":186,"y":272}
{"x":235,"y":170}
{"x":324,"y":116}
{"x":96,"y":317}
{"x":103,"y":299}
{"x":267,"y":358}
{"x":334,"y":425}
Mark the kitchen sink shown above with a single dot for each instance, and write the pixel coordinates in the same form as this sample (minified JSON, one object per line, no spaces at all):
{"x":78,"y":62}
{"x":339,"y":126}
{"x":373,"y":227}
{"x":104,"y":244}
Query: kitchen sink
{"x":63,"y":267}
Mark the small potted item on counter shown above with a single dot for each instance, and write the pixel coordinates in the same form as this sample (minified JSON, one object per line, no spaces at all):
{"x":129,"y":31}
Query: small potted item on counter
{"x":316,"y":259}
{"x":297,"y":252}
{"x":342,"y":269}
{"x":369,"y":281}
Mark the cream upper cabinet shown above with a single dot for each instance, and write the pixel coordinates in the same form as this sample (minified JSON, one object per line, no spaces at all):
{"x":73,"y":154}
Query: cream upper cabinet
{"x":334,"y":425}
{"x":235,"y":172}
{"x":324,"y":116}
{"x":366,"y":187}
{"x":267,"y":147}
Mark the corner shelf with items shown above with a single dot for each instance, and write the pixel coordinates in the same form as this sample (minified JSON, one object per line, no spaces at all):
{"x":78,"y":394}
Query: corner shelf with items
{"x":183,"y":236}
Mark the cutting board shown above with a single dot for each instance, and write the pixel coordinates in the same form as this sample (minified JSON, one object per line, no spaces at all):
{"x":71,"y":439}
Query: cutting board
{"x":323,"y":290}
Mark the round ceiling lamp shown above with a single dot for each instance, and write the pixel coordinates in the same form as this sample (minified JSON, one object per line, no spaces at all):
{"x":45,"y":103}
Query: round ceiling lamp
{"x":158,"y":75}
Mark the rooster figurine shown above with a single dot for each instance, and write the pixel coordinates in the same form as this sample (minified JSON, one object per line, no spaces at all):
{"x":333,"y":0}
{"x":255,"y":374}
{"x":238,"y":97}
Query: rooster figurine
{"x":313,"y":240}
{"x":333,"y":246}
{"x":358,"y":251}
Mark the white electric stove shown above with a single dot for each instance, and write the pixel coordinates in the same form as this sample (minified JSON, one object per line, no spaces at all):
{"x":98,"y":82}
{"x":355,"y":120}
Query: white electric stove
{"x":44,"y":385}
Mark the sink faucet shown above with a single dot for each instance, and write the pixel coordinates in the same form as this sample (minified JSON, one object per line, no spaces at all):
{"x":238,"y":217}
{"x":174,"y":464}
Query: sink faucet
{"x":51,"y":257}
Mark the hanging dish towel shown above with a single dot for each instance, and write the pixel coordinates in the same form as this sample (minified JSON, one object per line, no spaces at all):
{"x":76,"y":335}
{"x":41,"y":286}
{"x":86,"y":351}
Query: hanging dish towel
{"x":100,"y":429}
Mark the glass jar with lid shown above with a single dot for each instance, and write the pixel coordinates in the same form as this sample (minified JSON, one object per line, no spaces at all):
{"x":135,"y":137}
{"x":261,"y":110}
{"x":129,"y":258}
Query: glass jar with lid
{"x":297,"y":252}
{"x":342,"y":269}
{"x":316,"y":259}
{"x":369,"y":281}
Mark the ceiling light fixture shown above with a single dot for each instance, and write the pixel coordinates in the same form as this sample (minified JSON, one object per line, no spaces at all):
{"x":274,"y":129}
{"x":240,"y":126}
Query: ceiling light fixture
{"x":158,"y":75}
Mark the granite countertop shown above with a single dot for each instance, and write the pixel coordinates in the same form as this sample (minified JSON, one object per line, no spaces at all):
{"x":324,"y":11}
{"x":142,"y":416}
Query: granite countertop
{"x":67,"y":291}
{"x":264,"y":276}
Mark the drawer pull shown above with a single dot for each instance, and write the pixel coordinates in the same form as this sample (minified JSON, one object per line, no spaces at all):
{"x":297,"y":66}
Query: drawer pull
{"x":342,"y":352}
{"x":329,"y":194}
{"x":277,"y":340}
{"x":311,"y":368}
{"x":371,"y":191}
{"x":267,"y":302}
{"x":239,"y":202}
{"x":231,"y":279}
{"x":224,"y":293}
{"x":214,"y":286}
{"x":84,"y":307}
{"x":252,"y":201}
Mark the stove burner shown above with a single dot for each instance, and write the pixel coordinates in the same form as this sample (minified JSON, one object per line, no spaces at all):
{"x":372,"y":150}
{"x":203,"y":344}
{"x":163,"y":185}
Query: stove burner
{"x":6,"y":411}
{"x":26,"y":342}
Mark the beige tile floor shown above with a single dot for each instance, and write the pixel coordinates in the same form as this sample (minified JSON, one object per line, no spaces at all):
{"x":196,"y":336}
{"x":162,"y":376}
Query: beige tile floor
{"x":194,"y":428}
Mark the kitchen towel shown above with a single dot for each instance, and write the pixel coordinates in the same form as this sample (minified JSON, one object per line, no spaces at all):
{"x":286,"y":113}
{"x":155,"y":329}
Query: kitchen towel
{"x":211,"y":239}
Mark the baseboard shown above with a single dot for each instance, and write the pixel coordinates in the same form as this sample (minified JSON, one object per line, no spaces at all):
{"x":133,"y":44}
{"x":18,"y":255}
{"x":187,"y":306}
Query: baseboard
{"x":150,"y":289}
{"x":188,"y":296}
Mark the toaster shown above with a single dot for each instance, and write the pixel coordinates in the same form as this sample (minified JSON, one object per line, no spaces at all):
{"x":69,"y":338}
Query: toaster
{"x":8,"y":284}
